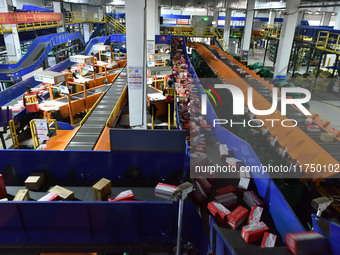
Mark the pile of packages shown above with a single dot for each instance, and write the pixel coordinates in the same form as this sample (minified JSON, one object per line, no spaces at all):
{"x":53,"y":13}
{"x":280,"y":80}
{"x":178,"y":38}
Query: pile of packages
{"x":101,"y":191}
{"x":224,"y":205}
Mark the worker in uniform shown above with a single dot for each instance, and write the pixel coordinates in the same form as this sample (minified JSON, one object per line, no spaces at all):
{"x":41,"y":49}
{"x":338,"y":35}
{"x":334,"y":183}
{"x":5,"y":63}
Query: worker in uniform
{"x":30,"y":100}
{"x":70,"y":78}
{"x":95,"y":60}
{"x":169,"y":94}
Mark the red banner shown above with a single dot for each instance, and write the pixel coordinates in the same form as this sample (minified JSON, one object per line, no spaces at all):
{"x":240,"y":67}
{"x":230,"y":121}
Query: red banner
{"x":28,"y":17}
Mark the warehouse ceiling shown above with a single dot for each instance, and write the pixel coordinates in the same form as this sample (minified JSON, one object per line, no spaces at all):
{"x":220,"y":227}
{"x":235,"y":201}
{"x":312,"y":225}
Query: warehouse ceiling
{"x":212,"y":4}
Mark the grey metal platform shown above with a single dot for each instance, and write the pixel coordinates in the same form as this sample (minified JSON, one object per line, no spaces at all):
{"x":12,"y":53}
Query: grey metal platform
{"x":89,"y":133}
{"x":333,"y":148}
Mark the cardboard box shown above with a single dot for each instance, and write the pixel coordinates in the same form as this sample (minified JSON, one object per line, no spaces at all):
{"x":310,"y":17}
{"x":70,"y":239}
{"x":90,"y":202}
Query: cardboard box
{"x":22,"y":195}
{"x":226,"y":190}
{"x":62,"y":192}
{"x":327,"y":137}
{"x":237,"y":217}
{"x":306,"y":242}
{"x":244,"y":183}
{"x":49,"y":197}
{"x":164,"y":190}
{"x":33,"y":182}
{"x":268,"y":240}
{"x":252,"y":233}
{"x":255,"y":215}
{"x":101,"y":190}
{"x":218,"y":211}
{"x":228,"y":200}
{"x":205,"y":184}
{"x":224,"y":151}
{"x":122,"y":196}
{"x":251,"y":199}
{"x":3,"y":191}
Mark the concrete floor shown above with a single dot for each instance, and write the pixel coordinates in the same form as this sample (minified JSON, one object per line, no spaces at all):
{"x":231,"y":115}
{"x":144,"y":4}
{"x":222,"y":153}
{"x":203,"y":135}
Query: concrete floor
{"x":257,"y":56}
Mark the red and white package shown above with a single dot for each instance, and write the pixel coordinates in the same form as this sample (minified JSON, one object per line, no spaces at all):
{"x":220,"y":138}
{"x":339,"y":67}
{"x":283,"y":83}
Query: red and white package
{"x":3,"y":191}
{"x":228,"y":200}
{"x":313,"y":128}
{"x":237,"y":217}
{"x":268,"y":240}
{"x":205,"y":184}
{"x":225,"y":190}
{"x":306,"y":242}
{"x":252,"y":233}
{"x":163,"y":190}
{"x":250,"y":198}
{"x":125,"y":195}
{"x":244,"y":183}
{"x":308,"y":121}
{"x":255,"y":215}
{"x":198,"y":193}
{"x":49,"y":197}
{"x":245,"y":174}
{"x":233,"y":162}
{"x":218,"y":211}
{"x":224,"y":151}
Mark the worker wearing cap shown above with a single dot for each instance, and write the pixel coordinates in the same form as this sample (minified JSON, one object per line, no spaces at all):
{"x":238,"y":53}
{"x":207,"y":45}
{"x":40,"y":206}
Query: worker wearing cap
{"x":70,"y":78}
{"x":30,"y":100}
{"x":95,"y":60}
{"x":169,"y":94}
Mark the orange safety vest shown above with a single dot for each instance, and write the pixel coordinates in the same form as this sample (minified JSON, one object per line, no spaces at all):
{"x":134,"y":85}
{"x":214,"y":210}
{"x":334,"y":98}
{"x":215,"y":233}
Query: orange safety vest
{"x":169,"y":94}
{"x":31,"y":102}
{"x":70,"y":76}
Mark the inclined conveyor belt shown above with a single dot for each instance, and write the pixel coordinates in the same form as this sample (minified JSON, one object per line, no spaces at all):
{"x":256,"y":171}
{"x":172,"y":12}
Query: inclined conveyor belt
{"x":89,"y":133}
{"x":333,"y":148}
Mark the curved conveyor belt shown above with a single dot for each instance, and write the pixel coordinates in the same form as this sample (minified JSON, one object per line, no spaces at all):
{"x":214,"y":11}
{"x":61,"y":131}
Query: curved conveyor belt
{"x":292,"y":113}
{"x":88,"y":134}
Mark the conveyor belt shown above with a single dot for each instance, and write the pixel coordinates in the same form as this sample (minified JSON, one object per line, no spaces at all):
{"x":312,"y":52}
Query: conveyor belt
{"x":333,"y":148}
{"x":88,"y":134}
{"x":302,"y":146}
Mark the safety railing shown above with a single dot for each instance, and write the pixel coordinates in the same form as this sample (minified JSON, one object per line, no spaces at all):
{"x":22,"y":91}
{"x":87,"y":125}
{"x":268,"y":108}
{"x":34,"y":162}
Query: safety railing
{"x":13,"y":134}
{"x":30,"y":26}
{"x":191,"y":31}
{"x":268,"y":30}
{"x":5,"y":29}
{"x":38,"y":25}
{"x":328,"y":41}
{"x":116,"y":25}
{"x":83,"y":17}
{"x":117,"y":108}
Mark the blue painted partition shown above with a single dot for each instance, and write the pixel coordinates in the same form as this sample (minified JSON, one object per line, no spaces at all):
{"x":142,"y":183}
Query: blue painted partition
{"x":283,"y":216}
{"x":93,"y":165}
{"x":98,"y":223}
{"x":333,"y":232}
